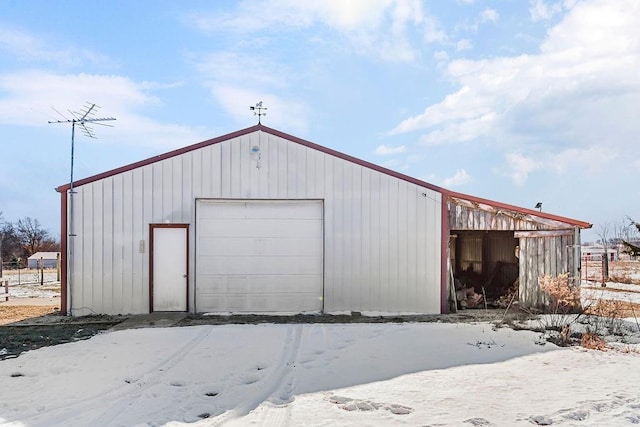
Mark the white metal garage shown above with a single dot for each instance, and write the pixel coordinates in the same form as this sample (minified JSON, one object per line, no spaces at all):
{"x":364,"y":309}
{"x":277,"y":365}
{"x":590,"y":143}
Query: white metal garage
{"x":270,"y":223}
{"x":259,"y":256}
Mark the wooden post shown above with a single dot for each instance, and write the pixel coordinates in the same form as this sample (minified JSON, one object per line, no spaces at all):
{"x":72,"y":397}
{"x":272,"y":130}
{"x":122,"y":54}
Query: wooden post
{"x":41,"y":271}
{"x":6,"y":290}
{"x":58,"y":267}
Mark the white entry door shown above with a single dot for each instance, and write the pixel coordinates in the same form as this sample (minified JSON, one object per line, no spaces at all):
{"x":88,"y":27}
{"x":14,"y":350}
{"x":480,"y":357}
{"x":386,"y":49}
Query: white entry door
{"x":169,"y":278}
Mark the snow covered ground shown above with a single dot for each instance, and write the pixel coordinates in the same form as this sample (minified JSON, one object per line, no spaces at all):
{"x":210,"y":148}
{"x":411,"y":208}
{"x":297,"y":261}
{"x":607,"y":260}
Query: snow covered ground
{"x":424,"y":374}
{"x":26,"y":284}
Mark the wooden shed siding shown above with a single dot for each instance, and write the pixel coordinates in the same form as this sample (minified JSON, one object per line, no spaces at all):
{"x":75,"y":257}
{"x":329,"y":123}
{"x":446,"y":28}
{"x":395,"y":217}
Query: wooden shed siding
{"x":382,"y":234}
{"x":464,"y":215}
{"x":546,"y":245}
{"x":539,"y":256}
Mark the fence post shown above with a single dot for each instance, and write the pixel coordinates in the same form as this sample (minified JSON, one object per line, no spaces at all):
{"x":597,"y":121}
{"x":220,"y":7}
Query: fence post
{"x":6,"y":290}
{"x":41,"y":271}
{"x":58,"y":266}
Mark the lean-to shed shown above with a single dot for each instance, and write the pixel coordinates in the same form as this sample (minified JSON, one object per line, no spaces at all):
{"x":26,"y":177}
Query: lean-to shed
{"x":259,"y":221}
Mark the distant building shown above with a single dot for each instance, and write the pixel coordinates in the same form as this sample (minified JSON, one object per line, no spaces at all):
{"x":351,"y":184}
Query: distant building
{"x":50,"y":259}
{"x":596,"y":252}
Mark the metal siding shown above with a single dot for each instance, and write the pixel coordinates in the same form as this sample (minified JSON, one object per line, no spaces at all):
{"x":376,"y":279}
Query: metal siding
{"x":365,"y":247}
{"x":106,"y":250}
{"x":382,"y":235}
{"x":128,"y":242}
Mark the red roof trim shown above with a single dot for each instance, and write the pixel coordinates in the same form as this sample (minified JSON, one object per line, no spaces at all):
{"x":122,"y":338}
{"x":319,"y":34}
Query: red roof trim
{"x":159,"y":158}
{"x":527,"y":211}
{"x":223,"y":138}
{"x":260,"y":127}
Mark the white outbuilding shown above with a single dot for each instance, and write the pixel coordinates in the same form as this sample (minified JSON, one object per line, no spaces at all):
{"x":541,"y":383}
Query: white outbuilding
{"x":43,"y":260}
{"x":259,"y":221}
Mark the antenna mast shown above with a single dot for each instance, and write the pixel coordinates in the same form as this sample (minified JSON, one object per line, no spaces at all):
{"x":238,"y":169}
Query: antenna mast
{"x":82,"y":118}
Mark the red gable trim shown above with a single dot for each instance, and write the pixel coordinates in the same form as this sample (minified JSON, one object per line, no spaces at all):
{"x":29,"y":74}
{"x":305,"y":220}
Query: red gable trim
{"x":158,"y":158}
{"x":369,"y":165}
{"x":258,"y":127}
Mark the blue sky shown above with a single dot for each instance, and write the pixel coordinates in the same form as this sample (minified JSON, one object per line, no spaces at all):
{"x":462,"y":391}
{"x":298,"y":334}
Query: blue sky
{"x":516,"y":101}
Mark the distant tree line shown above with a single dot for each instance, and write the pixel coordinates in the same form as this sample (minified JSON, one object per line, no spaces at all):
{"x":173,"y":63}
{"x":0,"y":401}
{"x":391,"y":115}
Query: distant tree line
{"x":21,"y":239}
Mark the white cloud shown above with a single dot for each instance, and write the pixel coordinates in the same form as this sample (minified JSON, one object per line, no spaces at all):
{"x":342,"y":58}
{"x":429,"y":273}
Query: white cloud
{"x":433,"y":31}
{"x":283,"y":113}
{"x":489,"y":15}
{"x":579,"y":92}
{"x":397,"y":164}
{"x":30,"y":96}
{"x":461,"y":177}
{"x":237,"y":81}
{"x":232,"y":67}
{"x":540,"y":10}
{"x":464,"y":44}
{"x":520,"y":166}
{"x":375,"y":27}
{"x":28,"y":47}
{"x":385,"y":150}
{"x":441,"y":56}
{"x":593,"y":159}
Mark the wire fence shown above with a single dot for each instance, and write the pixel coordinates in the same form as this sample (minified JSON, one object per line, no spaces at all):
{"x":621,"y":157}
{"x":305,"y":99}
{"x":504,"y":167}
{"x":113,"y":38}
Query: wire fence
{"x":593,"y":268}
{"x":22,"y":275}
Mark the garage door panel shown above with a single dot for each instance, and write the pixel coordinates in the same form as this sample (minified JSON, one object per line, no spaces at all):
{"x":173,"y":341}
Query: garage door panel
{"x":229,"y":246}
{"x":262,"y":228}
{"x":260,"y":265}
{"x":261,"y":284}
{"x":259,"y":256}
{"x":259,"y":210}
{"x":238,"y":303}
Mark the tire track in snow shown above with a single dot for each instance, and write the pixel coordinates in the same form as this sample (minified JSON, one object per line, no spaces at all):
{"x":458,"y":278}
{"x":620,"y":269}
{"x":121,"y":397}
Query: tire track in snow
{"x":148,"y":380}
{"x":65,"y":414}
{"x":279,"y":383}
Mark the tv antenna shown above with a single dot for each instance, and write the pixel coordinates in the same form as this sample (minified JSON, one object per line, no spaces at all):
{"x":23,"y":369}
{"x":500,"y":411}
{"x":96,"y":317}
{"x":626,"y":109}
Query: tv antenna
{"x":258,"y":110}
{"x":82,"y":118}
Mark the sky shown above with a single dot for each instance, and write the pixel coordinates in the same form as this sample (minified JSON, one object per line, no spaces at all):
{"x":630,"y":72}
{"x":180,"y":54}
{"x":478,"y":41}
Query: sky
{"x":515,"y":101}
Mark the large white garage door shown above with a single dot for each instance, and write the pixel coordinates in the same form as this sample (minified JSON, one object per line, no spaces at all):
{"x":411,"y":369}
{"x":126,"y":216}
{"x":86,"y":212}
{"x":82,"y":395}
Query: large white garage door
{"x":259,"y":256}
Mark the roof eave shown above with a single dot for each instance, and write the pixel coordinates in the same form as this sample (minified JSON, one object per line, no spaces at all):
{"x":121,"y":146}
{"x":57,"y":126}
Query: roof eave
{"x":532,"y":212}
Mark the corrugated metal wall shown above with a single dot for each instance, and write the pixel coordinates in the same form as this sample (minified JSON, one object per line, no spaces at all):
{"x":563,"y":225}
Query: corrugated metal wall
{"x":382,"y":234}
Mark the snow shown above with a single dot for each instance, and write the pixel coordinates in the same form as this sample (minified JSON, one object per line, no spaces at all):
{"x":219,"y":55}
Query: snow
{"x":592,"y":292}
{"x":319,"y":375}
{"x":26,"y":284}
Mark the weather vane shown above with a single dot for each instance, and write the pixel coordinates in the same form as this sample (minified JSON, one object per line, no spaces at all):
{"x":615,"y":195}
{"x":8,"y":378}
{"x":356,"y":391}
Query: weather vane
{"x":258,"y":110}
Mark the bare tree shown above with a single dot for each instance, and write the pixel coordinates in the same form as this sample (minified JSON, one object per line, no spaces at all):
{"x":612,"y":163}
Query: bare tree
{"x":32,"y":236}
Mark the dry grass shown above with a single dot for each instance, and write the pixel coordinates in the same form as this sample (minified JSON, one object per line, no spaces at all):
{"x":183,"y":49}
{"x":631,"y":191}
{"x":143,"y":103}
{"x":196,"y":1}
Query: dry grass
{"x":593,"y":342}
{"x":613,"y":309}
{"x":565,"y":298}
{"x":16,"y":313}
{"x":624,"y":278}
